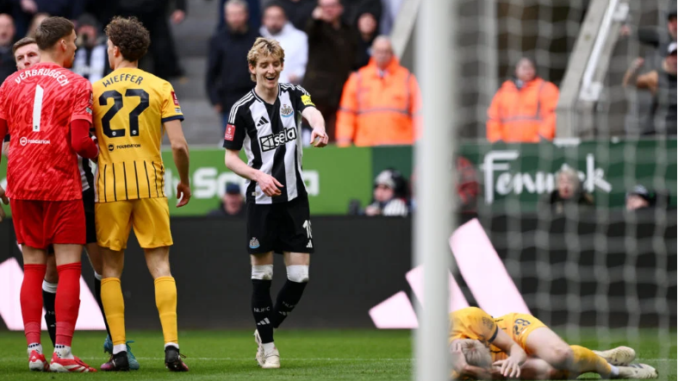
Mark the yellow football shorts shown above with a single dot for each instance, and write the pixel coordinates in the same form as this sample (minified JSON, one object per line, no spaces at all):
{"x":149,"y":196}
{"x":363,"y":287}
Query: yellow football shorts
{"x":518,"y":327}
{"x":148,"y":216}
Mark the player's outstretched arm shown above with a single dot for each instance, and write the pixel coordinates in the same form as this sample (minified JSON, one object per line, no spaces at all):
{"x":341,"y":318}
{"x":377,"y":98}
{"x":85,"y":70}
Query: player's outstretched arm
{"x":180,"y":155}
{"x":268,"y":184}
{"x":317,"y":122}
{"x":517,"y":356}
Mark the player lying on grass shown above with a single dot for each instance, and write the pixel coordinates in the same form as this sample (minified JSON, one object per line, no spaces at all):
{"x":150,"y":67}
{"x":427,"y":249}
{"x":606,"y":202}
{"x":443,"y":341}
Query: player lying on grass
{"x":27,"y":54}
{"x":475,"y":324}
{"x":550,"y":356}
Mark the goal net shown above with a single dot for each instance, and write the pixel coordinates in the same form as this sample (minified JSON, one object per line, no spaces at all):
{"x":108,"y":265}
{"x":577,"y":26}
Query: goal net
{"x":556,"y":212}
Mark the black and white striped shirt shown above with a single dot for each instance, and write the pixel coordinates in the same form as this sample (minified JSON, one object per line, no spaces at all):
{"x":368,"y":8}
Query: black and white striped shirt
{"x":271,"y":136}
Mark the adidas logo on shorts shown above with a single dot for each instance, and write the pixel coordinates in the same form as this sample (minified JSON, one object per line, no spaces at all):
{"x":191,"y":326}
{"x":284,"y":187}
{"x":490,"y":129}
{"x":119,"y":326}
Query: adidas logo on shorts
{"x":310,"y":245}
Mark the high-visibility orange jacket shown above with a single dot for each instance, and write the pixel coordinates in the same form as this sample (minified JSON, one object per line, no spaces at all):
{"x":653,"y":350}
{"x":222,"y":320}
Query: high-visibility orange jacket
{"x":378,"y":109}
{"x":525,"y":114}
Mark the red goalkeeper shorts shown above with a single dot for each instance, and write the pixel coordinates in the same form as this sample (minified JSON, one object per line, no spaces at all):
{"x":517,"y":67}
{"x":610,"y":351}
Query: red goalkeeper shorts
{"x":39,"y":224}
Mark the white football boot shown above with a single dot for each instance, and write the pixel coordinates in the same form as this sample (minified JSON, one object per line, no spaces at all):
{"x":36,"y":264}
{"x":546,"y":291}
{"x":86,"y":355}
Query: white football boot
{"x":620,"y":356}
{"x":260,"y":349}
{"x":639,"y":371}
{"x":271,"y":359}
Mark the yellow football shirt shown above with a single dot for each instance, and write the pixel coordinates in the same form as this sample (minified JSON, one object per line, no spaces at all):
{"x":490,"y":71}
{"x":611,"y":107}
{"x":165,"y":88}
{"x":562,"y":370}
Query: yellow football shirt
{"x":472,"y":323}
{"x":130,"y":107}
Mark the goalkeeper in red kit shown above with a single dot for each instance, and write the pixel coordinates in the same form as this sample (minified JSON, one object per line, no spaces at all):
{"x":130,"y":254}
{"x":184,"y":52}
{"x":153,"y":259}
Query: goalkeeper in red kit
{"x":47,"y":110}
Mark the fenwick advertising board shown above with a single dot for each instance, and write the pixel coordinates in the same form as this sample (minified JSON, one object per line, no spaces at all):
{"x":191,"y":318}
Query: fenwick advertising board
{"x":511,"y":176}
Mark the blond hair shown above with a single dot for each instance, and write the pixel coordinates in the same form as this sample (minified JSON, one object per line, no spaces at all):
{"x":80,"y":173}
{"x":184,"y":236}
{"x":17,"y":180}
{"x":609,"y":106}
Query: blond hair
{"x":264,"y":47}
{"x":572,"y":175}
{"x":476,"y":354}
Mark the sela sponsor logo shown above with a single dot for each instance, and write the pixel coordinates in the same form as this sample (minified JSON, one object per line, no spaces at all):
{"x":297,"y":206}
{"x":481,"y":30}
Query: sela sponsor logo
{"x":230,"y":132}
{"x":273,"y":141}
{"x":286,"y":111}
{"x":24,"y":141}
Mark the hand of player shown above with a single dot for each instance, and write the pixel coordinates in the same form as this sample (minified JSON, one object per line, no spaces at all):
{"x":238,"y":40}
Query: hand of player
{"x":319,"y":138}
{"x":183,"y":194}
{"x":2,"y":213}
{"x":509,"y":368}
{"x":178,"y":16}
{"x":457,"y":357}
{"x":3,"y":196}
{"x":269,"y":185}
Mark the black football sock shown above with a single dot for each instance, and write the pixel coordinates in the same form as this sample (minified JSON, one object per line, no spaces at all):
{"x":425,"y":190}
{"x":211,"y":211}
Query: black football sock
{"x":261,"y":308}
{"x":48,"y":301}
{"x":288,"y":298}
{"x":97,"y":296}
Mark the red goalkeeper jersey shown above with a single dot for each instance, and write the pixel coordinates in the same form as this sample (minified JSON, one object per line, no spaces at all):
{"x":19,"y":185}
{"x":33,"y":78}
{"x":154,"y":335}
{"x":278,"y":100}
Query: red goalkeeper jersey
{"x":39,"y":104}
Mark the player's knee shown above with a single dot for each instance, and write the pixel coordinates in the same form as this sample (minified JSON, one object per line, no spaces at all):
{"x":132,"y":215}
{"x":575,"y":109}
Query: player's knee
{"x":297,"y":273}
{"x":262,"y":272}
{"x":562,"y":356}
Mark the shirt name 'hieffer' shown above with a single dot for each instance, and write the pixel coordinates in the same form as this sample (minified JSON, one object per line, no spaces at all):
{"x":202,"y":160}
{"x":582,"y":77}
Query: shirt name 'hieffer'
{"x":56,"y":74}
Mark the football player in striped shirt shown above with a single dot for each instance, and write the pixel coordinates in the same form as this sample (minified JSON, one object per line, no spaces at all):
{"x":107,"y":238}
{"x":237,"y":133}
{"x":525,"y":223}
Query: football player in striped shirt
{"x":132,"y":111}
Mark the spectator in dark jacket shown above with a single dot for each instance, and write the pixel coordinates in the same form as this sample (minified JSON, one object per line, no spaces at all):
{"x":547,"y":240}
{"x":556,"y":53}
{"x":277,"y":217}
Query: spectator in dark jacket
{"x":367,"y":27}
{"x":7,"y":64}
{"x":232,"y":203}
{"x":70,"y":9}
{"x":155,"y":15}
{"x":332,"y":46}
{"x":91,"y":58}
{"x":254,"y":10}
{"x":228,"y":76}
{"x":355,"y":9}
{"x":298,"y":11}
{"x":640,"y":198}
{"x":569,"y":193}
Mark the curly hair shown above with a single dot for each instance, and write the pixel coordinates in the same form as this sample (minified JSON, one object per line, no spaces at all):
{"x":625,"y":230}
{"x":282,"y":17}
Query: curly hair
{"x":267,"y":47}
{"x":130,"y":36}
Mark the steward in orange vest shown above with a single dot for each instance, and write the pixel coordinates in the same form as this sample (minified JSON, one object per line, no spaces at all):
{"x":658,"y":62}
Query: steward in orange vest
{"x":380,"y":102}
{"x":524,"y":109}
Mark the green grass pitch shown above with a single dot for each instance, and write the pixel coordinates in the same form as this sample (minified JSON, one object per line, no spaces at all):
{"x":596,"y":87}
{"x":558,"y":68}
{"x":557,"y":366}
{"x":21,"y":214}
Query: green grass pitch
{"x":305,"y":355}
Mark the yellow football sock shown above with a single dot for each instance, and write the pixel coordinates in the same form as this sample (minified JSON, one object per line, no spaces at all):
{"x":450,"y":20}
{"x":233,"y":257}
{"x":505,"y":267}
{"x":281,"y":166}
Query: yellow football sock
{"x":114,"y":308}
{"x":587,"y":361}
{"x":166,"y":301}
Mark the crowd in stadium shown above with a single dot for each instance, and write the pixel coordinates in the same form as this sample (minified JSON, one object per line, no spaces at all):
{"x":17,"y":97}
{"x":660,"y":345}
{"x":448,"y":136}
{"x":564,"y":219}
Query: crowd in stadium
{"x":334,"y":49}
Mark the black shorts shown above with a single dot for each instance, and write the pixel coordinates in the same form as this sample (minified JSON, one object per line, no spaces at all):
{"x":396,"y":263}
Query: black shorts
{"x":88,"y":203}
{"x":279,"y":227}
